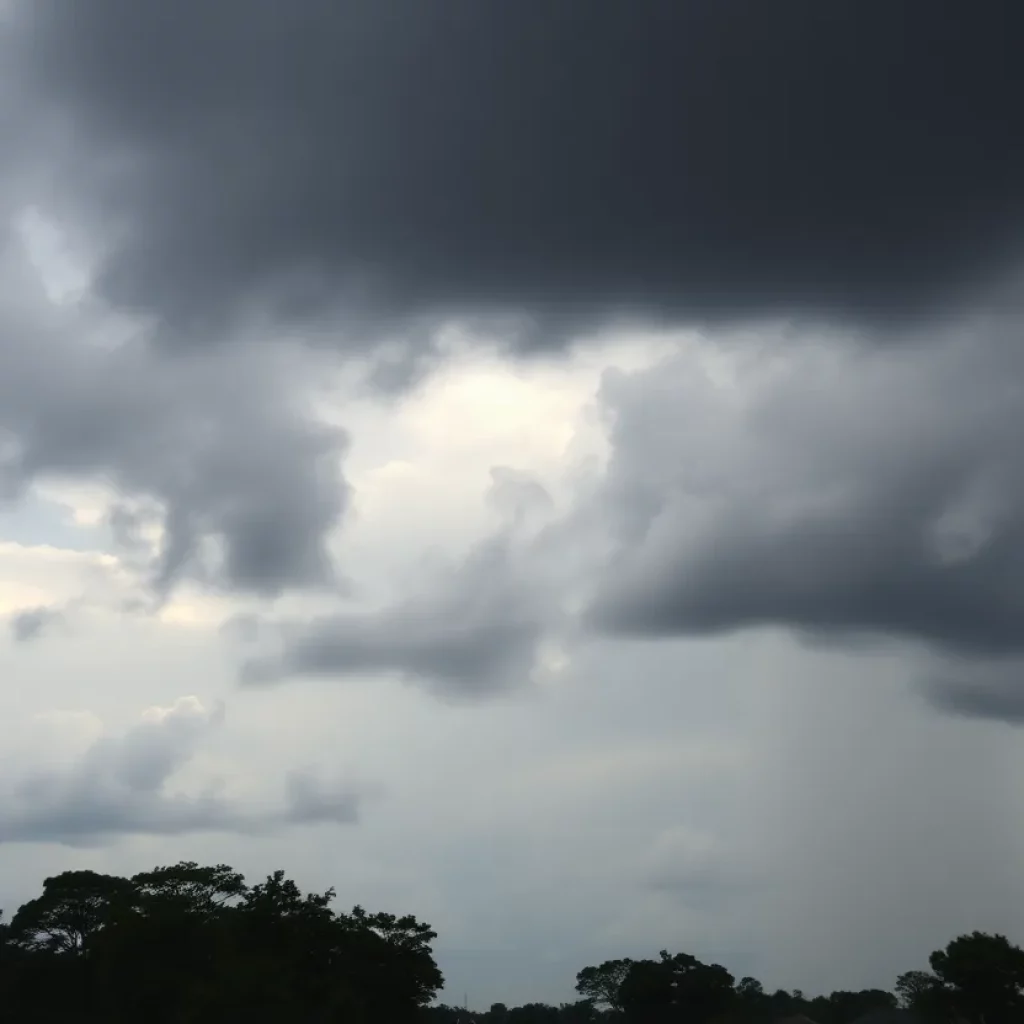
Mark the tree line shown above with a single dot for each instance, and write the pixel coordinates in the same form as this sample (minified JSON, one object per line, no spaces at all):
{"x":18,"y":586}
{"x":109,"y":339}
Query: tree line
{"x":187,"y":944}
{"x":977,"y":979}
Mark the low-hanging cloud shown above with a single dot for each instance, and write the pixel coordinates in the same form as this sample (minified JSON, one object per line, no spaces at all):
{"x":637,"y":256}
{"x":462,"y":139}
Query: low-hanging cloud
{"x":557,"y":164}
{"x":472,"y":629}
{"x":978,"y":689}
{"x":309,"y":801}
{"x":823,"y":487}
{"x":119,"y":786}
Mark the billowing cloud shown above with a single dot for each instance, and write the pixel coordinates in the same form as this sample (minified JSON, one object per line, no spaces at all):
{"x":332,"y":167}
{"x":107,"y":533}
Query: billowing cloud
{"x":217,"y":467}
{"x":823,"y":487}
{"x":562,"y":163}
{"x":121,"y":785}
{"x":471,"y":629}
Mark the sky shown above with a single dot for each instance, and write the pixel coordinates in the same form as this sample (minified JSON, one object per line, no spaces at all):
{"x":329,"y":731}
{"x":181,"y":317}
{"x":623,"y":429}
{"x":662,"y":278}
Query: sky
{"x":552,"y":469}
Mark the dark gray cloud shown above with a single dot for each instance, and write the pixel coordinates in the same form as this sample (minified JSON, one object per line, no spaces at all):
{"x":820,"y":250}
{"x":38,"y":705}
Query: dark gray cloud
{"x":310,"y":801}
{"x":979,"y":689}
{"x":31,"y":623}
{"x":821,"y":486}
{"x":119,"y":786}
{"x":561,"y":162}
{"x":472,"y":629}
{"x":219,"y":451}
{"x":693,"y":867}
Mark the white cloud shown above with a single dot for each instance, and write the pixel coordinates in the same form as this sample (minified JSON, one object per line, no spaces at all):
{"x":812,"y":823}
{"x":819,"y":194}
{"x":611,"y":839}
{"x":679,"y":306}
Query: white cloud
{"x":40,"y":575}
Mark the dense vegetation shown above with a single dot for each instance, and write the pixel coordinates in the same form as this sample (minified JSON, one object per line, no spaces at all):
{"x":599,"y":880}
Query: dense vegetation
{"x":976,"y":979}
{"x":194,"y":944}
{"x":189,"y":944}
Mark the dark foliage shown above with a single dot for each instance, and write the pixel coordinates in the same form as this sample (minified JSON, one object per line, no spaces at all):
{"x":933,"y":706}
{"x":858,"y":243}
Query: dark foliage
{"x":187,"y":944}
{"x":976,"y":979}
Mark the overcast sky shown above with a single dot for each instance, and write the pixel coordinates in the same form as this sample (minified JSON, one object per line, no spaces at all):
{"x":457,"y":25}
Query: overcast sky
{"x":553,"y":469}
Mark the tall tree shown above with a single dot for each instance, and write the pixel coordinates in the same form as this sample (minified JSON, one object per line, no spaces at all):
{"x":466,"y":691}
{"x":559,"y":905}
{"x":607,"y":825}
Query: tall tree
{"x":675,"y":988}
{"x":924,"y":995}
{"x":72,"y":909}
{"x":601,"y":984}
{"x":984,"y":975}
{"x":188,"y":944}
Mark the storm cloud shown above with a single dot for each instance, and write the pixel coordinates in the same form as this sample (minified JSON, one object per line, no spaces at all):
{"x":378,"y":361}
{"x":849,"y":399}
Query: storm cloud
{"x":268,"y":271}
{"x":550,"y":165}
{"x":822,"y":486}
{"x":979,"y":689}
{"x":218,"y":468}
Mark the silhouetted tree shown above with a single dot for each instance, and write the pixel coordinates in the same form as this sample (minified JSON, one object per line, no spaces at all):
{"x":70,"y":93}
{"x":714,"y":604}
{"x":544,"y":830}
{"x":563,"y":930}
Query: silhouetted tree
{"x":924,"y":995}
{"x":668,"y":989}
{"x":983,"y":976}
{"x":188,"y":944}
{"x":72,"y":909}
{"x":602,"y":984}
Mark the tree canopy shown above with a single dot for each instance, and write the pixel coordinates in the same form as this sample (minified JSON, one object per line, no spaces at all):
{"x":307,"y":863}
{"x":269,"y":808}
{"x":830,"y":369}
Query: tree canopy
{"x":188,"y":944}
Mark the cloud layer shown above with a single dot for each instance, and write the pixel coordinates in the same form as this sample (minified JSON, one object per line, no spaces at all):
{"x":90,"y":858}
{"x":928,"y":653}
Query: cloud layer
{"x":825,"y":487}
{"x":695,"y":159}
{"x":120,"y":786}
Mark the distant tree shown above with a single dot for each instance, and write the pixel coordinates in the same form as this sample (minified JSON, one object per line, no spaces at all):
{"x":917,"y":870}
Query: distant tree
{"x":72,"y":909}
{"x":751,"y":1001}
{"x":601,"y":984}
{"x":924,"y":994}
{"x":912,"y":985}
{"x":675,"y":987}
{"x":581,"y":1012}
{"x":844,"y":1007}
{"x":442,"y":1013}
{"x":749,"y":989}
{"x":533,"y":1013}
